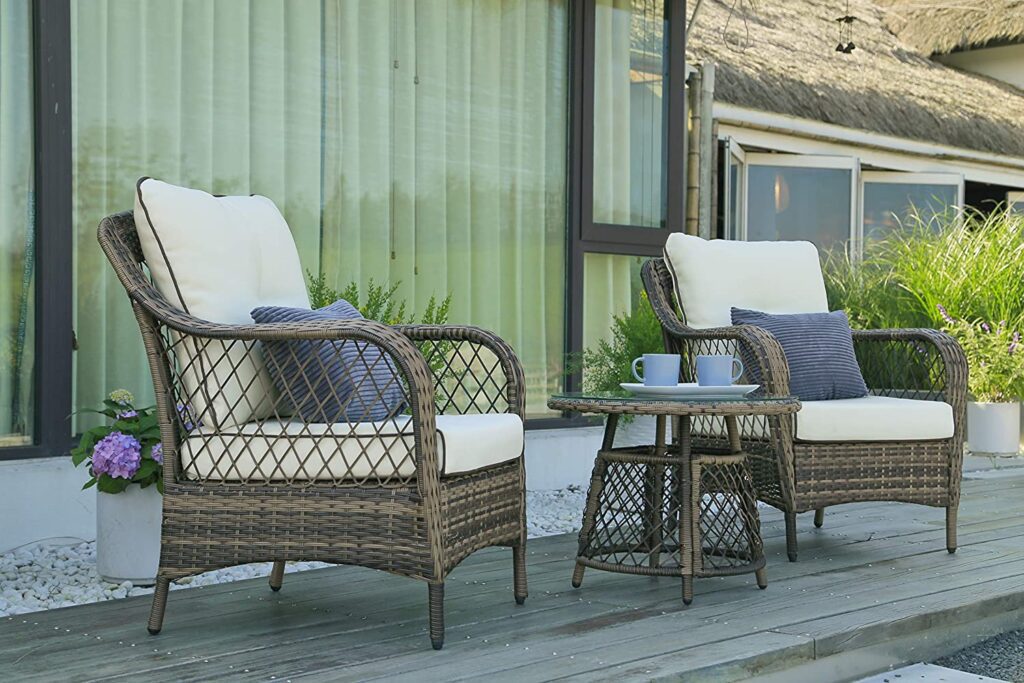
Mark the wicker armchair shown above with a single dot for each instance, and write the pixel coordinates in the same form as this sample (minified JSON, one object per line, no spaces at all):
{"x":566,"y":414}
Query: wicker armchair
{"x":413,"y":493}
{"x":797,"y":475}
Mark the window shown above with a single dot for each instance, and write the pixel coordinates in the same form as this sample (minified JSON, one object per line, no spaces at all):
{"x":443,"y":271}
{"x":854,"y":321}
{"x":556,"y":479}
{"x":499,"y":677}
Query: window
{"x":1015,"y":201}
{"x":420,"y":143}
{"x":629,"y":138}
{"x":798,"y":197}
{"x":890,"y":200}
{"x":734,"y":194}
{"x":17,"y":227}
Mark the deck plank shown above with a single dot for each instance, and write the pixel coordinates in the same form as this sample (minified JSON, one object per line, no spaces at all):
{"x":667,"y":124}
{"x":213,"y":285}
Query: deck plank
{"x":874,"y":571}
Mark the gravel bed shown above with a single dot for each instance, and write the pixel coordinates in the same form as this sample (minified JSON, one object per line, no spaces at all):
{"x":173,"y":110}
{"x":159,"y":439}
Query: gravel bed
{"x":41,"y":576}
{"x":999,"y":657}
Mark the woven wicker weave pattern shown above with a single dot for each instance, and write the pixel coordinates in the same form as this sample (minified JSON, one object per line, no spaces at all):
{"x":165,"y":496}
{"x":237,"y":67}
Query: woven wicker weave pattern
{"x":277,"y":488}
{"x":797,"y":476}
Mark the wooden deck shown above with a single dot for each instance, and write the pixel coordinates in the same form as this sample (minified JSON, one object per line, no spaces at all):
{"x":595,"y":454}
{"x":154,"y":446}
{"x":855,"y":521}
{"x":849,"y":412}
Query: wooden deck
{"x":873,"y":588}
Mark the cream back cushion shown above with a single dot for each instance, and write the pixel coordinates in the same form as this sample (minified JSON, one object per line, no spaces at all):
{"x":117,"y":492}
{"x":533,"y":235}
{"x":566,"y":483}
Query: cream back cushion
{"x":712,"y":276}
{"x":218,"y":258}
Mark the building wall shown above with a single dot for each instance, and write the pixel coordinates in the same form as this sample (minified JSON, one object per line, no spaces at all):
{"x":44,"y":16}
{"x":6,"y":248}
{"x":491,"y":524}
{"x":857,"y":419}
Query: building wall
{"x":1004,"y":63}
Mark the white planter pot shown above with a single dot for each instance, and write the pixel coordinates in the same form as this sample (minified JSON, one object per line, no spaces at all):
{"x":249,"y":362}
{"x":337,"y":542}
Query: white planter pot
{"x":128,"y":535}
{"x":993,"y":428}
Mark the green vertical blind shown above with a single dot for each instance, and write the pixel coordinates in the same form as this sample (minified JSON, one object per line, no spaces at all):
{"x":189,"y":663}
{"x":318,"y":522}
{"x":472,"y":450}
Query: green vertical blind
{"x":17,"y":225}
{"x":413,"y":142}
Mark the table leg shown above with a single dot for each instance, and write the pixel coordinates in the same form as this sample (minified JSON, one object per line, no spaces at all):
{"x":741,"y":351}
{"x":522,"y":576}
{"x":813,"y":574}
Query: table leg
{"x":593,"y":497}
{"x":689,"y":542}
{"x":654,"y":498}
{"x":748,"y":499}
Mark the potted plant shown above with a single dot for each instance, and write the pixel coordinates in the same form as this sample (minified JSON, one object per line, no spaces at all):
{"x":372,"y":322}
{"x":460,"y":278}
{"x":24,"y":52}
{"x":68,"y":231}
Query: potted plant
{"x":609,"y":362}
{"x":125,"y":460}
{"x":995,"y":383}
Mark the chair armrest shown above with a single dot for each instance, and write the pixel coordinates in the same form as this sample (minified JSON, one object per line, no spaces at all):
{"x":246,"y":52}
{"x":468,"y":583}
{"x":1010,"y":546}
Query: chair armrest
{"x":757,"y":344}
{"x":409,"y":362}
{"x":474,"y":370}
{"x":913,"y":363}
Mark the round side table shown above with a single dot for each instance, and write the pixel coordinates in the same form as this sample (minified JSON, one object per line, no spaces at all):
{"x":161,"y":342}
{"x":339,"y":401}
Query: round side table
{"x":667,"y":509}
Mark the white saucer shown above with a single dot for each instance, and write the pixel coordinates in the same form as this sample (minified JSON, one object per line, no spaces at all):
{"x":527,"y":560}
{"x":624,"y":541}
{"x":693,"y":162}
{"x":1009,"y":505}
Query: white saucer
{"x":690,"y":389}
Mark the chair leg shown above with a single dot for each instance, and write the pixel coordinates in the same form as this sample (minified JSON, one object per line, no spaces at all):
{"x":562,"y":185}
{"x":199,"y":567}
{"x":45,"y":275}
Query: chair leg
{"x":819,"y":517}
{"x":519,"y":572}
{"x":156,"y":613}
{"x":791,"y":536}
{"x":951,"y":529}
{"x":277,"y":575}
{"x":435,"y":594}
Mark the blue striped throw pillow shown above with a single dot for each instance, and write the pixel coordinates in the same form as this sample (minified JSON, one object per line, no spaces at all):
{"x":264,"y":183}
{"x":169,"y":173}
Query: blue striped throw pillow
{"x":331,"y":381}
{"x":818,"y":348}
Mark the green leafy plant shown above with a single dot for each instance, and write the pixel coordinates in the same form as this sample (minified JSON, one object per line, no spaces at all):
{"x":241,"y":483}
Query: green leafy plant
{"x":995,"y":358}
{"x":608,"y":363}
{"x":970,"y":262}
{"x":126,"y":451}
{"x":380,"y":302}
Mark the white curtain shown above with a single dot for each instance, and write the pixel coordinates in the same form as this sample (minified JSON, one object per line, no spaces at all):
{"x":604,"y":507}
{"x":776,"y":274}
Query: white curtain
{"x":415,"y":142}
{"x":17,"y":229}
{"x":444,"y":162}
{"x":223,"y":96}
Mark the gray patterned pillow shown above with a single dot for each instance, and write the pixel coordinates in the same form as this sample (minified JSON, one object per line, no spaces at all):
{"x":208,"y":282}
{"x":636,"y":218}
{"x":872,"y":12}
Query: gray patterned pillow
{"x":818,"y":348}
{"x":348,"y":382}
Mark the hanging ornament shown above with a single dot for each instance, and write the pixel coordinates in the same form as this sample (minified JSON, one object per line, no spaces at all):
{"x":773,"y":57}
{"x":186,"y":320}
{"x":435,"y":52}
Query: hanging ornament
{"x":845,"y":22}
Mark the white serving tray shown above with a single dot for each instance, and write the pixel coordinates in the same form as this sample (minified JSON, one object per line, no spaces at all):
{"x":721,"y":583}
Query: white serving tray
{"x":689,"y":390}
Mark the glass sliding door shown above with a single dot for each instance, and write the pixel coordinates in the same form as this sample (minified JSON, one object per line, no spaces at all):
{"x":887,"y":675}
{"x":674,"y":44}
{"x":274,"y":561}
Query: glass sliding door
{"x":893,"y":201}
{"x":421,"y":144}
{"x":17,"y":227}
{"x":803,"y":197}
{"x":630,"y":67}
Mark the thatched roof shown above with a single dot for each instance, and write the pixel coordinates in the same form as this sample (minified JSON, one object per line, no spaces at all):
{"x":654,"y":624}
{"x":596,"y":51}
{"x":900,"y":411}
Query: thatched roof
{"x":790,"y":66}
{"x":942,"y":26}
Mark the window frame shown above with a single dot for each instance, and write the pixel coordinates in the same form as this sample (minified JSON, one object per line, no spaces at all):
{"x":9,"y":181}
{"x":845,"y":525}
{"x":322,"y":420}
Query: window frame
{"x":51,"y":140}
{"x":855,"y":235}
{"x":909,"y":178}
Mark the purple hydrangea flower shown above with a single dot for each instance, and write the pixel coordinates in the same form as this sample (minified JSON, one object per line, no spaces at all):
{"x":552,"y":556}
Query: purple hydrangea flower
{"x":185,"y":415}
{"x":118,"y":455}
{"x":158,"y":452}
{"x":125,"y":414}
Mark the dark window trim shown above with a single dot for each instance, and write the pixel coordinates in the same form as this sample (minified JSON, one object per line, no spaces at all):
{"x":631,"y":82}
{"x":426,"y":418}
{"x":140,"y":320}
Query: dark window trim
{"x":51,"y":386}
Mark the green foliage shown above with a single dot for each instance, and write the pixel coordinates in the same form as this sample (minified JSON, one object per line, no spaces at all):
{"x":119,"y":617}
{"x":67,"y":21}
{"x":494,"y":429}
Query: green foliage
{"x":380,"y":302}
{"x":995,"y":359}
{"x":633,"y":334}
{"x":966,"y":263}
{"x":138,"y":423}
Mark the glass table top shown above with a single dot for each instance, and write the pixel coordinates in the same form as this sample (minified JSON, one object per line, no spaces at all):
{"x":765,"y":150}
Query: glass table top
{"x":628,"y":397}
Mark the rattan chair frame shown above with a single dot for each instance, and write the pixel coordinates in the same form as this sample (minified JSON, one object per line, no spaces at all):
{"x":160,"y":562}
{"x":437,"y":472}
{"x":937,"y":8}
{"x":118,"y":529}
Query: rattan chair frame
{"x":797,"y":476}
{"x":420,"y":526}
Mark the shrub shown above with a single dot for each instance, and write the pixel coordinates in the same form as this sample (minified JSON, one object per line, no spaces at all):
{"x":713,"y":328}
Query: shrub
{"x":633,"y":334}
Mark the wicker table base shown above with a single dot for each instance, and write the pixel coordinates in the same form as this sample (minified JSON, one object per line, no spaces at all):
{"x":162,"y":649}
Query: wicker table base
{"x":664,"y":510}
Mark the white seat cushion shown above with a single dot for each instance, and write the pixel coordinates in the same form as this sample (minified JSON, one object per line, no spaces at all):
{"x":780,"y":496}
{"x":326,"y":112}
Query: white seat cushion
{"x":219,"y":258}
{"x":874,"y":418}
{"x":263,"y":451}
{"x":712,"y":276}
{"x":871,"y":418}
